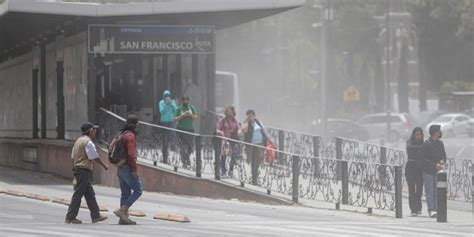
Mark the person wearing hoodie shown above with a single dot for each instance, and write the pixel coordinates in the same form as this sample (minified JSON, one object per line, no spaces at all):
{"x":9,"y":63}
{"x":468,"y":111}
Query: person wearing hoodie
{"x":413,"y":171}
{"x":433,"y":157}
{"x":128,"y":176}
{"x":167,"y":108}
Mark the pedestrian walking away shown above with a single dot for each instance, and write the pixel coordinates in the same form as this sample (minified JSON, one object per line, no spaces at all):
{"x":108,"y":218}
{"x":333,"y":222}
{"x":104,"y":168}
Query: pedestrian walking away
{"x":433,"y":157}
{"x":414,"y":171}
{"x":228,"y":127}
{"x":167,"y":108}
{"x":185,"y":115}
{"x":128,"y":176}
{"x":83,"y":155}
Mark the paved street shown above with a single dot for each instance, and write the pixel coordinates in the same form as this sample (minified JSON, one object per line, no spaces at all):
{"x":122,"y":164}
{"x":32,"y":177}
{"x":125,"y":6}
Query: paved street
{"x":20,"y":216}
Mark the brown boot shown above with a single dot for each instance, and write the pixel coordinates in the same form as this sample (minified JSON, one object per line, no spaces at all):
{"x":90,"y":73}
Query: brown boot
{"x":99,"y":219}
{"x":122,"y":213}
{"x":73,"y":221}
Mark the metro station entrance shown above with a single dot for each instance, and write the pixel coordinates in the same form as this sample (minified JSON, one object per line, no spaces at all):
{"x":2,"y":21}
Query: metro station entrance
{"x":135,"y":64}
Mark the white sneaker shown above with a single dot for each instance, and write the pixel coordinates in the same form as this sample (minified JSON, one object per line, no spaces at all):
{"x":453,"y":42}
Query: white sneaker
{"x":414,"y":214}
{"x":432,"y":214}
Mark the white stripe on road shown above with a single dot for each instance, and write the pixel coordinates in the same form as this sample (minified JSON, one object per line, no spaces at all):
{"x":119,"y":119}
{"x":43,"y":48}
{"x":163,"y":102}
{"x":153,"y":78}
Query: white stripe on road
{"x":348,"y":230}
{"x":13,"y":216}
{"x":418,"y":230}
{"x":45,"y":232}
{"x":282,"y":230}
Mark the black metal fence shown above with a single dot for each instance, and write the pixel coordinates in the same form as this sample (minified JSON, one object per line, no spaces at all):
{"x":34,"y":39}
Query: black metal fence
{"x":342,"y":171}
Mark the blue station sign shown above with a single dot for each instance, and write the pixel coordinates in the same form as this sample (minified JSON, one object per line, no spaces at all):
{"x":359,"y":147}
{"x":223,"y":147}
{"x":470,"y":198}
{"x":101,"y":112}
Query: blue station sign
{"x":153,"y":39}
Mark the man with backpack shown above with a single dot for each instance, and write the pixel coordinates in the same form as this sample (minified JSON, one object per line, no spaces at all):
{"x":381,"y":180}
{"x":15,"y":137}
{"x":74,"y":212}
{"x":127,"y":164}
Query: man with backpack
{"x":127,"y":173}
{"x":83,"y":155}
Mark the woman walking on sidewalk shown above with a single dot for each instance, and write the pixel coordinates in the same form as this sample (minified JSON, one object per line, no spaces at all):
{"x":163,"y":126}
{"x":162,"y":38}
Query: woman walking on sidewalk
{"x":413,"y":171}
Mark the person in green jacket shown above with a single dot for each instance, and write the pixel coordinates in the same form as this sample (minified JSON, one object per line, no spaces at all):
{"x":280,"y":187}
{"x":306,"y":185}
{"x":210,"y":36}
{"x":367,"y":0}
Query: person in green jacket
{"x":185,"y":115}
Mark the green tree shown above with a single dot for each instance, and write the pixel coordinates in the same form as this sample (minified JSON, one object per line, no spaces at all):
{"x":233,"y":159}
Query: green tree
{"x":445,"y":42}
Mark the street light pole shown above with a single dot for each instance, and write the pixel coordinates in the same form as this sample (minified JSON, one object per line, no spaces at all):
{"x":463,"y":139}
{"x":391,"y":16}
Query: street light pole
{"x":387,"y":64}
{"x":326,"y":15}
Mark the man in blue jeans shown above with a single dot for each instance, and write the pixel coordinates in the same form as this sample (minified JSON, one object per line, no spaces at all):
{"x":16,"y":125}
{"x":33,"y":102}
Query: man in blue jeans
{"x":127,"y":174}
{"x":433,"y":156}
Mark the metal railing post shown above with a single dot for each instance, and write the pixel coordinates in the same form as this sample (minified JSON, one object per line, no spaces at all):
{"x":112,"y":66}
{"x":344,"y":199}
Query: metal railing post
{"x":442,"y":196}
{"x":345,"y":182}
{"x":383,"y":167}
{"x":281,"y":141}
{"x":296,"y":174}
{"x":316,"y":153}
{"x":398,"y":192}
{"x":338,"y":157}
{"x":198,"y":142}
{"x":217,"y":158}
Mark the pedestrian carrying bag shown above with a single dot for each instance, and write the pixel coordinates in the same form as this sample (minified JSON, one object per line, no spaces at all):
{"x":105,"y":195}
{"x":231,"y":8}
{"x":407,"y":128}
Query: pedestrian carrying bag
{"x":271,"y":153}
{"x":117,"y":153}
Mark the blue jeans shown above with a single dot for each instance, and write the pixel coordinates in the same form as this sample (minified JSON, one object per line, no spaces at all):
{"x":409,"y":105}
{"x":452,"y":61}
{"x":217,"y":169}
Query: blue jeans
{"x":128,"y":183}
{"x":430,"y":191}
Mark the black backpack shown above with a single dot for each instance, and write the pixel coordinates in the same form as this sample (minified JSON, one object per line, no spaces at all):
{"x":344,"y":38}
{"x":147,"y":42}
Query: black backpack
{"x":117,"y":152}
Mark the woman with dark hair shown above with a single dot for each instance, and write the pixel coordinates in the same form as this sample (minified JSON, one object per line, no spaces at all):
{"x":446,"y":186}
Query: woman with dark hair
{"x":255,"y":133}
{"x":413,"y":171}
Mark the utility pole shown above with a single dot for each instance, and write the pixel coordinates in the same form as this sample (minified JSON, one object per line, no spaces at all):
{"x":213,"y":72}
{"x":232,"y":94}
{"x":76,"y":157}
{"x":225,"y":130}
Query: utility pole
{"x":326,"y":15}
{"x":387,"y":64}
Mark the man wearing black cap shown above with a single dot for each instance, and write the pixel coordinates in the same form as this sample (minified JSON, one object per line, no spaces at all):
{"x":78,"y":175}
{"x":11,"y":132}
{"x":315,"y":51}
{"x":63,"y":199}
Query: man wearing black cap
{"x":433,"y":157}
{"x":83,"y":154}
{"x":127,"y":174}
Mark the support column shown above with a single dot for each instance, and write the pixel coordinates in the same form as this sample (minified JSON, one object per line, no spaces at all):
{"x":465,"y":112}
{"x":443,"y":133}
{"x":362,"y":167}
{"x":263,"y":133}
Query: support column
{"x":211,"y":89}
{"x":43,"y":88}
{"x":35,"y":103}
{"x":91,"y":83}
{"x":61,"y":126}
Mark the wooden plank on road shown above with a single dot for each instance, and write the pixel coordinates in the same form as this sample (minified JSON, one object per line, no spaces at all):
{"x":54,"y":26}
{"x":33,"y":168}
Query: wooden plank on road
{"x":171,"y":217}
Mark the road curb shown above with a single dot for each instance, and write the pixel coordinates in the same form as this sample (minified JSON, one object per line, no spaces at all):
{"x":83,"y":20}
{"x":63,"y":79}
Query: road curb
{"x":15,"y":193}
{"x":136,"y":213}
{"x":61,"y":201}
{"x":171,"y":217}
{"x":37,"y":197}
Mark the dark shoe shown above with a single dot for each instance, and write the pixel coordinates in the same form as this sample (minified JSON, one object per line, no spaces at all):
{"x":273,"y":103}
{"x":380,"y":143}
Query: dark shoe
{"x":72,"y":221}
{"x":99,"y":219}
{"x":126,"y":222}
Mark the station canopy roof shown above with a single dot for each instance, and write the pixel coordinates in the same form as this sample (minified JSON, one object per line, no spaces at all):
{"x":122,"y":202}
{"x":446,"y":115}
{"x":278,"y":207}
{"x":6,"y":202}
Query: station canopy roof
{"x":25,"y":22}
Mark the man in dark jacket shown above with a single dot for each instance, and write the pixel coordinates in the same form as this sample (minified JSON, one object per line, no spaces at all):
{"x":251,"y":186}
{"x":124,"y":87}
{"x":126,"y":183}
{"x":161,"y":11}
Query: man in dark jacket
{"x":433,"y":157}
{"x":127,"y":174}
